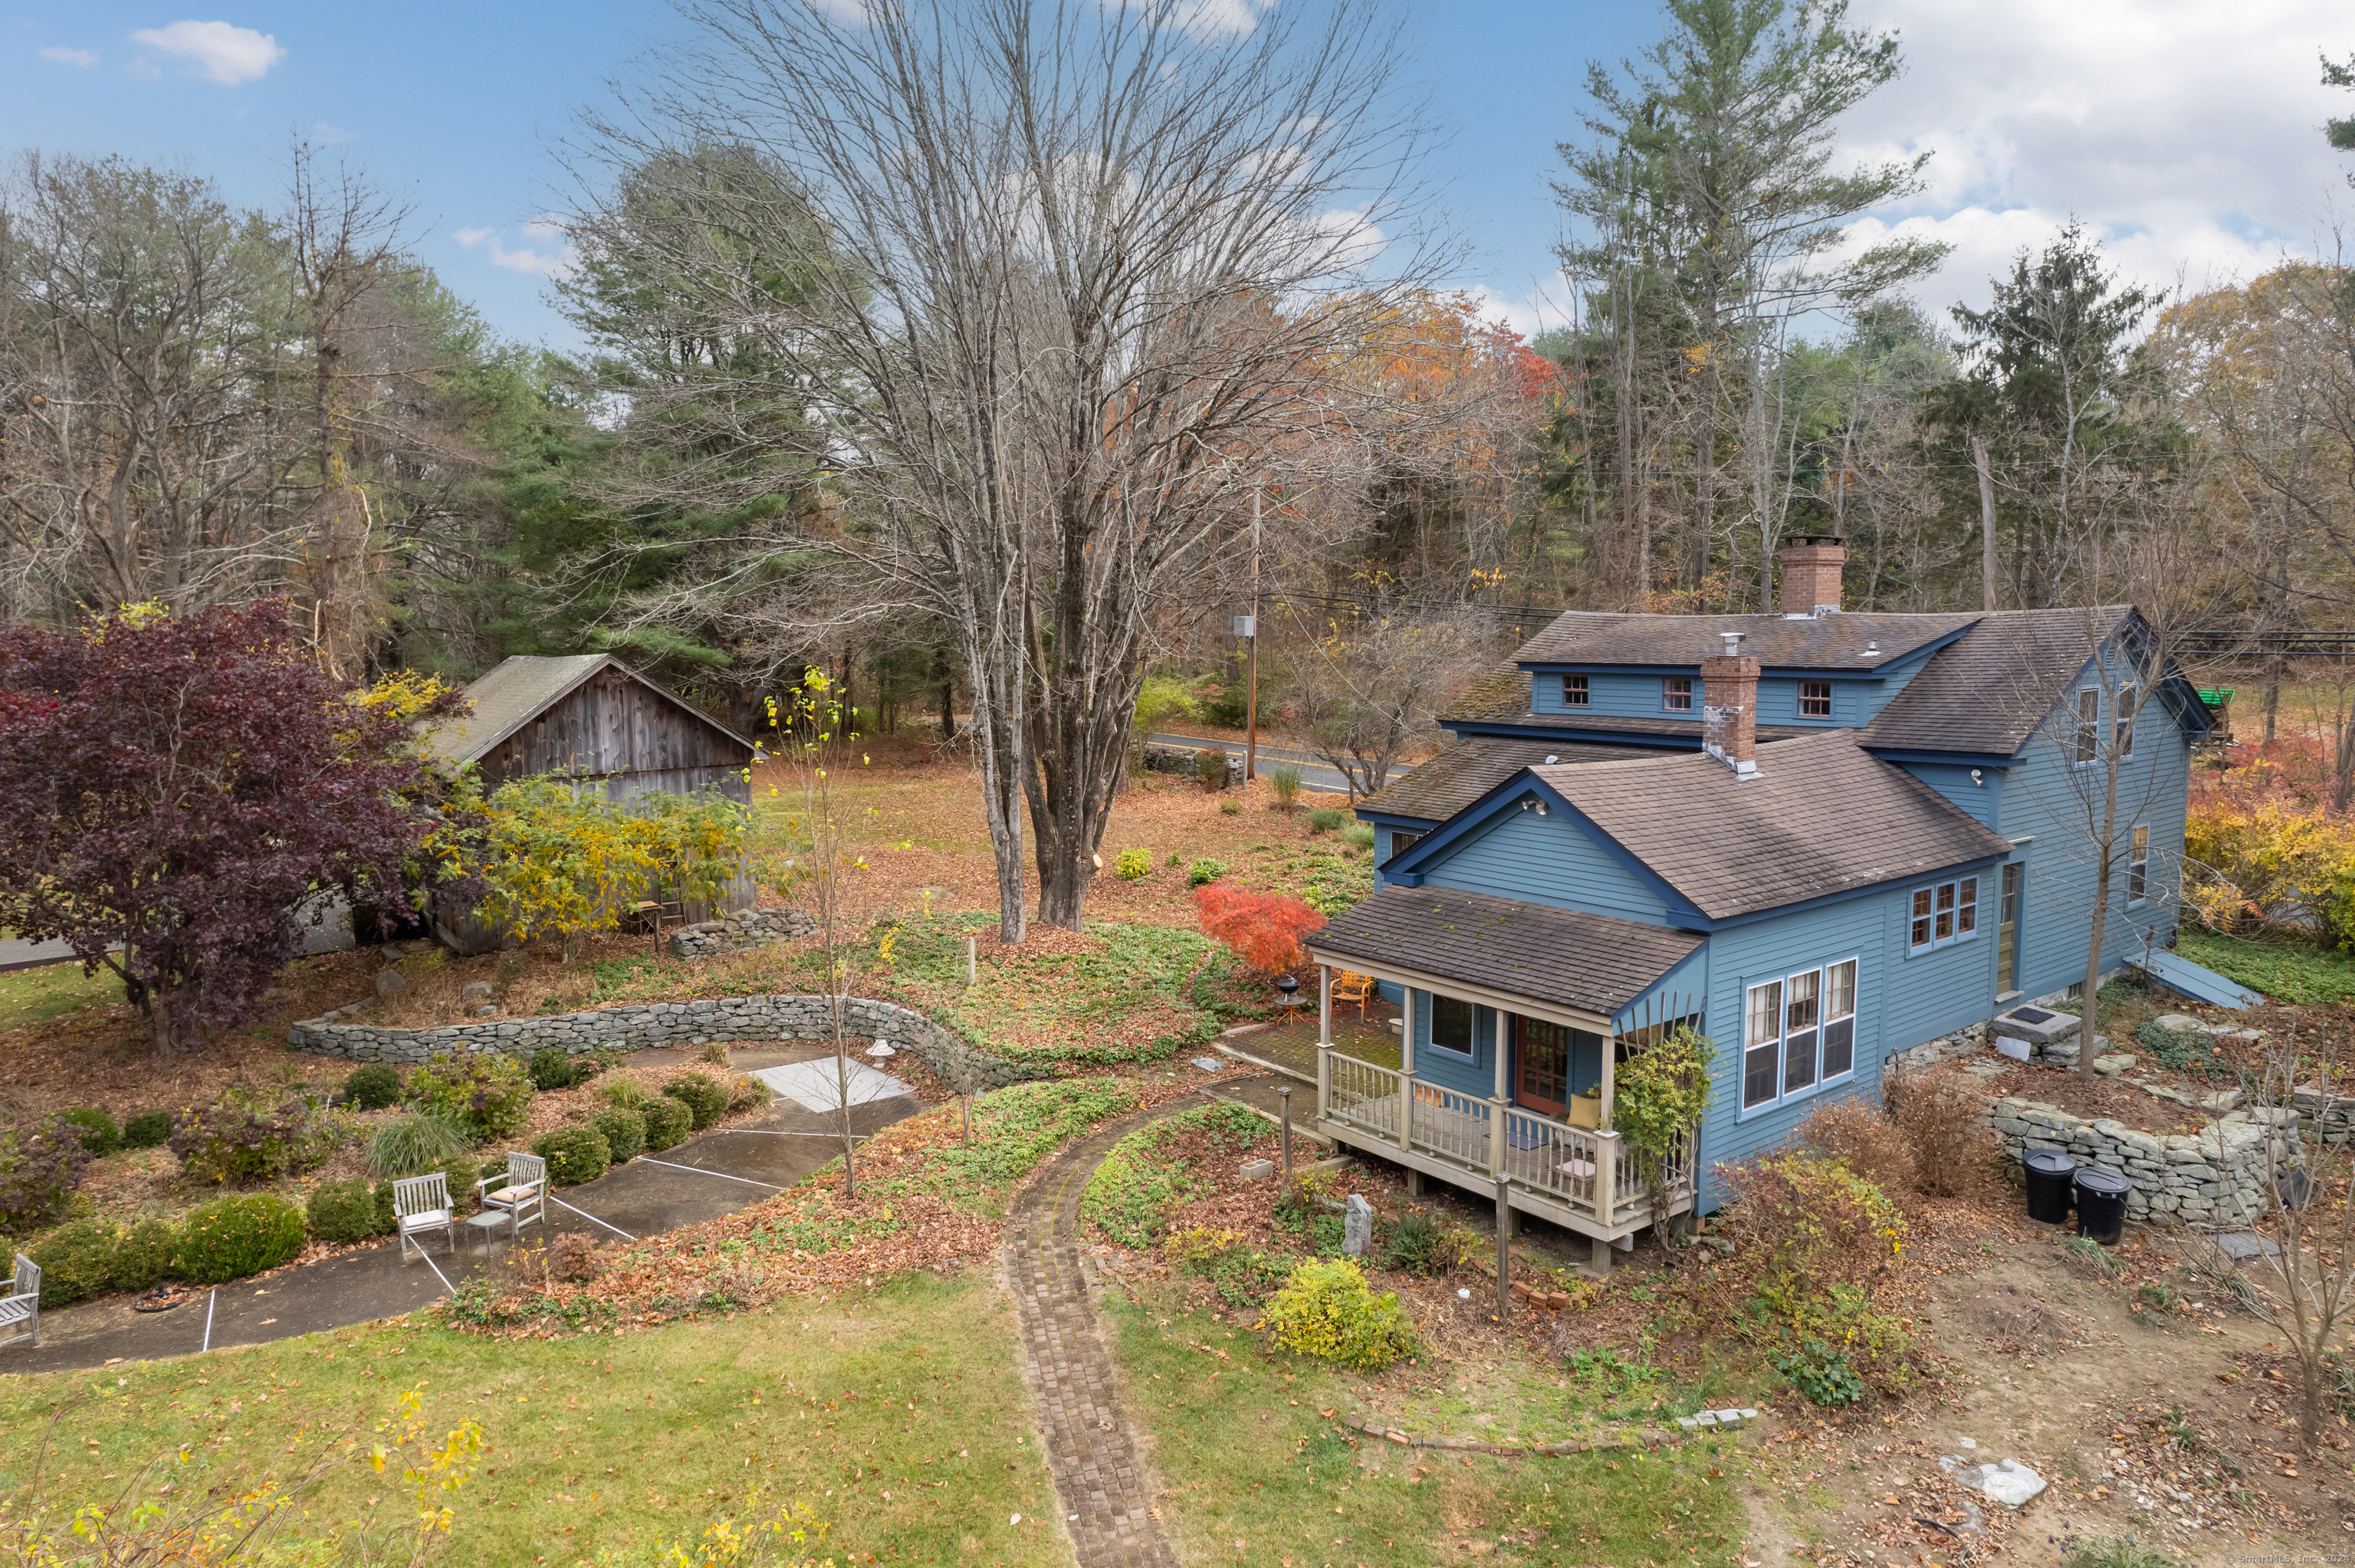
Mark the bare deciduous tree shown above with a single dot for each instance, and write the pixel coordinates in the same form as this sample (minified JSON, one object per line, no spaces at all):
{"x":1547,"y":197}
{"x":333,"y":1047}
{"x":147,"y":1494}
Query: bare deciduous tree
{"x":1053,"y":282}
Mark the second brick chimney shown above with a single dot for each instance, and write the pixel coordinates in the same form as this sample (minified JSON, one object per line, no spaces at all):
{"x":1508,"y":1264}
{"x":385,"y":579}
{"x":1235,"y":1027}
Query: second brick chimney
{"x":1728,"y":708}
{"x":1811,"y":574}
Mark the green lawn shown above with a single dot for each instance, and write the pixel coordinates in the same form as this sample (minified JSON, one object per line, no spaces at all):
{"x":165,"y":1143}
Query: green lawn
{"x":898,"y":1418}
{"x":35,"y":996}
{"x":2297,"y":973}
{"x":1261,"y":1476}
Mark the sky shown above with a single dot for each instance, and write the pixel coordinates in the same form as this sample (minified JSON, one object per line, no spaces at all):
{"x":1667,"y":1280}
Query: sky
{"x":2184,"y":133}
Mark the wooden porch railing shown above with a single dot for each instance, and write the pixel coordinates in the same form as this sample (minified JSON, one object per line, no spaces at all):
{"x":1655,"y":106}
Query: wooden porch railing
{"x":1589,"y":1171}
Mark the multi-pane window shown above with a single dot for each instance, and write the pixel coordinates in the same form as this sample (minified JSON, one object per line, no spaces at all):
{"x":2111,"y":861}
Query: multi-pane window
{"x":1401,"y":843}
{"x":1451,"y":1024}
{"x":1840,"y":1019}
{"x":1762,"y":1044}
{"x":1799,"y":1031}
{"x":1802,"y":1014}
{"x":2139,"y":867}
{"x":2089,"y":724}
{"x":1676,"y":694}
{"x":1573,"y":691}
{"x":1944,"y":912}
{"x":2122,"y":722}
{"x":1815,"y":699}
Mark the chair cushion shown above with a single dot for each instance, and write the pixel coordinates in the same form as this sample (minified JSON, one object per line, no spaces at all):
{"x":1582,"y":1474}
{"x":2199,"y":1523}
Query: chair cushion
{"x":425,"y":1219}
{"x":508,"y":1195}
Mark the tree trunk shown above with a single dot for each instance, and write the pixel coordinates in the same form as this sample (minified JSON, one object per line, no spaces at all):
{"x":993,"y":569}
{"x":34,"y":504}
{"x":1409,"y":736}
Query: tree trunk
{"x":2106,"y":858}
{"x":1987,"y":521}
{"x":948,"y":710}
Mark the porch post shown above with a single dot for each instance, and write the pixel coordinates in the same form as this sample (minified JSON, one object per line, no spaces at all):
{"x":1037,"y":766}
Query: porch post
{"x":1606,"y":1175}
{"x":1406,"y":1073}
{"x":1497,"y":1100}
{"x":1610,"y":1061}
{"x":1325,"y":1042}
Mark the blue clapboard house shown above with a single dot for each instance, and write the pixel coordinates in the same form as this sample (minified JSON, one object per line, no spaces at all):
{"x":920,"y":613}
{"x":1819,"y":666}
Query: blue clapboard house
{"x":1820,"y":838}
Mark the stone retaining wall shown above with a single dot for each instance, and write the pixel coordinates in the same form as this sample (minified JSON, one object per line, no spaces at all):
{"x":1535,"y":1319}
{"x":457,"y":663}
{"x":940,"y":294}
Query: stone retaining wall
{"x":2215,"y":1177}
{"x":739,"y":930}
{"x":954,"y":1059}
{"x":1181,"y":759}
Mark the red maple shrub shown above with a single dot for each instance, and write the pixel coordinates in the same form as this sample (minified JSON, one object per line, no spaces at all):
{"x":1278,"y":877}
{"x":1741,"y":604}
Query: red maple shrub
{"x":175,"y":786}
{"x":1261,"y":930}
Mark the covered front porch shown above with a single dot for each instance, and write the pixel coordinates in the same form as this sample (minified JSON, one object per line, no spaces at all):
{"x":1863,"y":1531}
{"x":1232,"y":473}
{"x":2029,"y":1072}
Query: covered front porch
{"x":1495,"y":1085}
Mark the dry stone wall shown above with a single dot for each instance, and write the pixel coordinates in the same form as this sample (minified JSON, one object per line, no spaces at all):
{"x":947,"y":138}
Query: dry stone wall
{"x":739,"y":930}
{"x":956,"y":1060}
{"x":2215,"y":1177}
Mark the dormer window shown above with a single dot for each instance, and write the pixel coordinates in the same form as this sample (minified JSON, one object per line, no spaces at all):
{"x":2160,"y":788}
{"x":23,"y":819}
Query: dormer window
{"x":1815,"y":699}
{"x":1676,"y":694}
{"x":1573,"y":691}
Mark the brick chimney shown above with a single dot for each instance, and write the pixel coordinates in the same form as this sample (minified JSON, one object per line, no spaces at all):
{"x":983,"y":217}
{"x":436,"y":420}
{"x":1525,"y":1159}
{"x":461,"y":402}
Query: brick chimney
{"x":1728,"y":708}
{"x":1811,"y":574}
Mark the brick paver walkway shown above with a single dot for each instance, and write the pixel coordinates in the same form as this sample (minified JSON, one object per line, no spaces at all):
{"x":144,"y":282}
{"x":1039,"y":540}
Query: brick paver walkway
{"x":1107,"y":1502}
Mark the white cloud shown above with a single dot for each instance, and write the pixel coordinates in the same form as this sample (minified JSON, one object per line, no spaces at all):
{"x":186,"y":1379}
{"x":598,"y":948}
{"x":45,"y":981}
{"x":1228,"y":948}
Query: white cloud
{"x":554,"y":263}
{"x":1218,"y":18}
{"x":82,"y":58}
{"x":217,"y":50}
{"x":328,"y":135}
{"x":2184,"y":134}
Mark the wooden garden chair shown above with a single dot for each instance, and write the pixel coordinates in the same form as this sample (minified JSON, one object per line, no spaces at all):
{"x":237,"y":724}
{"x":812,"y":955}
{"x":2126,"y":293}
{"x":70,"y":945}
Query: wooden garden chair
{"x":22,"y":1305}
{"x":518,"y":1197}
{"x":420,"y":1205}
{"x":1356,"y":988}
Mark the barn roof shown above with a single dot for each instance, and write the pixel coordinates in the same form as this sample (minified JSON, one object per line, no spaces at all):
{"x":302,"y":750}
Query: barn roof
{"x":519,"y":689}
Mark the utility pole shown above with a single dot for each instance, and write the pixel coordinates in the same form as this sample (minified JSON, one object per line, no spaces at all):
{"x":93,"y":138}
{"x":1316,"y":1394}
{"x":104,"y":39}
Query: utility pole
{"x":1251,"y":659}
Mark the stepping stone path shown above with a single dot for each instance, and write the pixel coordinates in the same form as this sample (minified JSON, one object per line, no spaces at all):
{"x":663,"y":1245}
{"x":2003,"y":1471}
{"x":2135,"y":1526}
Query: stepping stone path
{"x":1107,"y":1500}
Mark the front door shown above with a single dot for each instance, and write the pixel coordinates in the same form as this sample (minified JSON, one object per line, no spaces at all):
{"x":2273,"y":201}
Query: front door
{"x":1543,"y":1082}
{"x":2007,"y":933}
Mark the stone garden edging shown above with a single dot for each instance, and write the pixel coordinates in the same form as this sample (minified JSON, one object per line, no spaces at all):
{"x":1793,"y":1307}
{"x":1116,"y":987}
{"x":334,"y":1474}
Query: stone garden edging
{"x":2216,"y":1176}
{"x":739,"y":931}
{"x":954,"y":1059}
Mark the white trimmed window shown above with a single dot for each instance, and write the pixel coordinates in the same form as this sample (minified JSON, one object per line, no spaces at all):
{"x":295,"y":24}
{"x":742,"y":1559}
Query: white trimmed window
{"x":2138,"y":866}
{"x":2089,"y":725}
{"x":1573,"y":691}
{"x":1451,"y":1024}
{"x":1798,"y":1034}
{"x":1943,"y":912}
{"x":2122,"y":722}
{"x":1815,"y":699}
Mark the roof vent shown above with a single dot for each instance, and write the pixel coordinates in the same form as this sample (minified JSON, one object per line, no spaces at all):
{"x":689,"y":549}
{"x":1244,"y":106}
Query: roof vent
{"x":1550,"y":758}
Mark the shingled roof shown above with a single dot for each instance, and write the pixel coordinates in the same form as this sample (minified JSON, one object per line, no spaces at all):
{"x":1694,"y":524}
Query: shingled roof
{"x":1843,"y":641}
{"x":1822,"y":816}
{"x":1591,"y":963}
{"x":1502,"y":697}
{"x":1985,"y":692}
{"x":1477,"y":764}
{"x":524,"y":685}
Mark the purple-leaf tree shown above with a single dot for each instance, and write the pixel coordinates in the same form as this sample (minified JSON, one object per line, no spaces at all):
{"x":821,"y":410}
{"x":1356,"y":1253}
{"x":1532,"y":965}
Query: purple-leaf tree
{"x":174,"y":787}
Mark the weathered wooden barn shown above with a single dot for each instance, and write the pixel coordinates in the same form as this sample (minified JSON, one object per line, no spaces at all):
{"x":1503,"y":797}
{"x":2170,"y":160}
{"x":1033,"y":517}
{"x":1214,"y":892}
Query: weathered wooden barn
{"x":592,"y":719}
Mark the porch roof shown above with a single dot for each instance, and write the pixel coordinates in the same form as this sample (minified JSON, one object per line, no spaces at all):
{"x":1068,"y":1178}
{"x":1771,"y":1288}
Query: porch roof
{"x":1587,"y":963}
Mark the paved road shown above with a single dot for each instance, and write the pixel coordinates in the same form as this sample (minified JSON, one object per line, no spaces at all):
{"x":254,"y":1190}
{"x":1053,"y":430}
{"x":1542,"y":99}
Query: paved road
{"x":1314,"y":775}
{"x":15,"y":953}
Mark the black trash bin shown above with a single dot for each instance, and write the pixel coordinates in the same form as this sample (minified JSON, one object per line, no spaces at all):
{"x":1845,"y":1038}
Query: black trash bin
{"x":2049,"y":1176}
{"x":2102,"y":1204}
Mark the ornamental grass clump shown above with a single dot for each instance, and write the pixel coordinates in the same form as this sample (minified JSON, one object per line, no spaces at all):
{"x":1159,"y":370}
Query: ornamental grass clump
{"x":1327,"y":1309}
{"x":487,"y":1093}
{"x":412,"y":1145}
{"x":246,"y":1136}
{"x":41,"y":1166}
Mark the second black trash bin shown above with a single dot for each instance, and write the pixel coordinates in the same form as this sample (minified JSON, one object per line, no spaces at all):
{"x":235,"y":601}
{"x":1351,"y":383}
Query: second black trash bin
{"x":2050,"y":1172}
{"x":2102,"y":1204}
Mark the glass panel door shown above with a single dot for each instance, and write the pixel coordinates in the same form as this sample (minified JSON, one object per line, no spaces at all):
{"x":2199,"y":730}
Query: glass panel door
{"x":1543,"y":1084}
{"x":2007,"y":933}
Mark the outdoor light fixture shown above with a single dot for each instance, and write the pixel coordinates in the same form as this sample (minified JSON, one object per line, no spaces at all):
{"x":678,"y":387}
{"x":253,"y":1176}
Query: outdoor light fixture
{"x":1975,"y":776}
